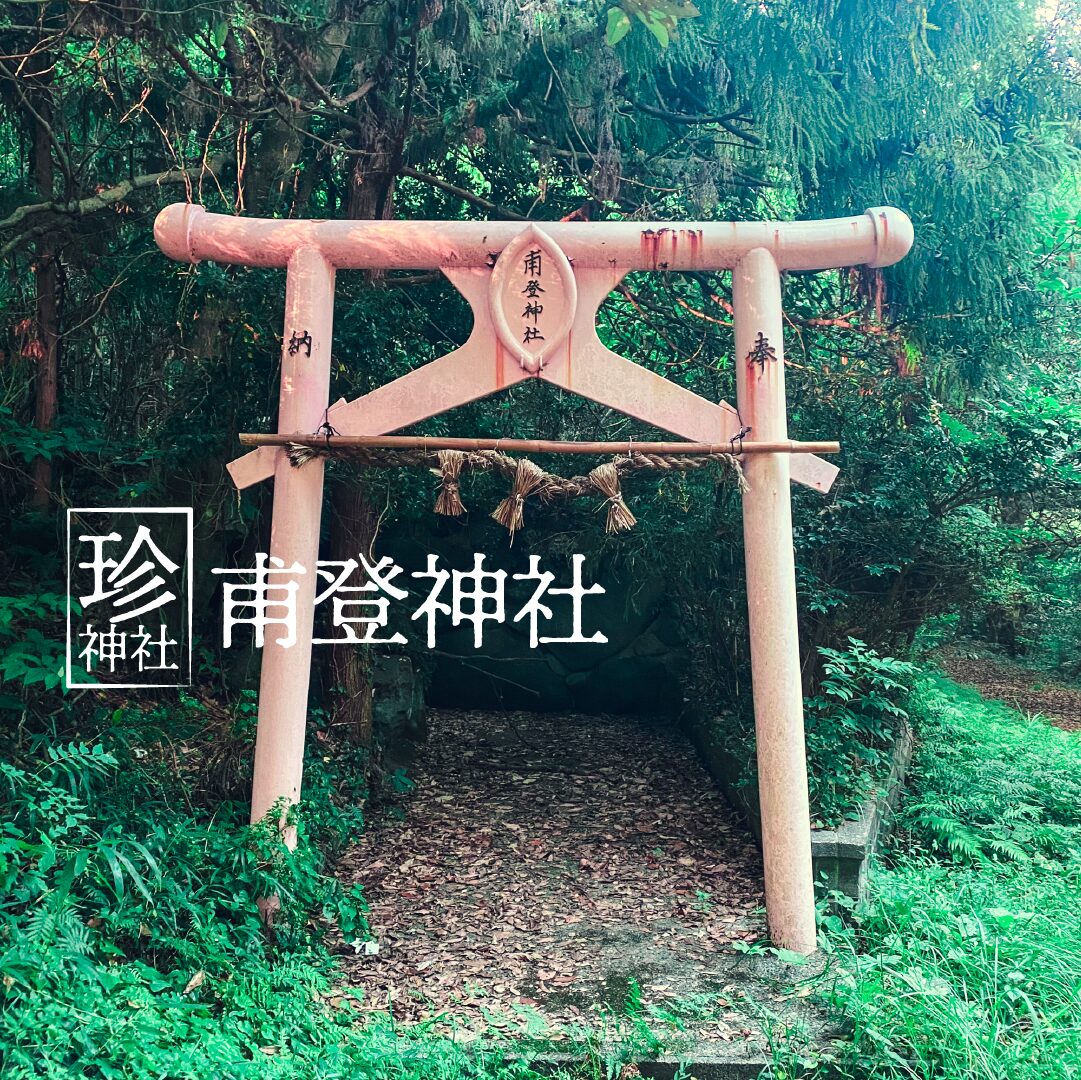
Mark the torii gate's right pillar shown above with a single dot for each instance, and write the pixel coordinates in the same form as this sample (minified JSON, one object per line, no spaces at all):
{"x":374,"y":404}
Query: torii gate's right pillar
{"x":771,"y":602}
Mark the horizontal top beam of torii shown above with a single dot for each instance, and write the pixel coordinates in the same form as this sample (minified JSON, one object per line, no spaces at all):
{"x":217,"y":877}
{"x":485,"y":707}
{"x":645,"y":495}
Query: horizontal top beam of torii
{"x":879,"y":237}
{"x":552,"y":337}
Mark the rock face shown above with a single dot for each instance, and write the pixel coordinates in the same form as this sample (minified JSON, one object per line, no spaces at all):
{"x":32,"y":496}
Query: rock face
{"x":637,"y":670}
{"x":398,"y":719}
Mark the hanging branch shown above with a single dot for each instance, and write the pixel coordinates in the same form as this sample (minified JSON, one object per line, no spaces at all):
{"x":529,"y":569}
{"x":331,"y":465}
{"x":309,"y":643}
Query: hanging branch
{"x":462,"y":193}
{"x":24,"y":215}
{"x":724,"y":120}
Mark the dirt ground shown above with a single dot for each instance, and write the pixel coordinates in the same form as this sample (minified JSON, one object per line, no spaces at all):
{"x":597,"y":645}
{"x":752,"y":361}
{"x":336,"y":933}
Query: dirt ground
{"x":550,"y":874}
{"x":1019,"y":687}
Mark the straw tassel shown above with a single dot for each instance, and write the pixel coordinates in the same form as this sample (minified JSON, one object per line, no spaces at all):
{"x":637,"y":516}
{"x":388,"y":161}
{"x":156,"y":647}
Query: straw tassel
{"x":605,"y":479}
{"x":449,"y":500}
{"x":299,"y":454}
{"x":735,"y":470}
{"x":527,"y":478}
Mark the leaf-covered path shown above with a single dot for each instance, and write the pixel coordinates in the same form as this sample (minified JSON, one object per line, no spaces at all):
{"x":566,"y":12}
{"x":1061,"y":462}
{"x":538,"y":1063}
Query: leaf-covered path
{"x":543,"y":868}
{"x":1019,"y":687}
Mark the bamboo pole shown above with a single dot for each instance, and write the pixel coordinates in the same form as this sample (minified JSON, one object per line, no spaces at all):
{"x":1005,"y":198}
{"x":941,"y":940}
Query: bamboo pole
{"x":541,"y":446}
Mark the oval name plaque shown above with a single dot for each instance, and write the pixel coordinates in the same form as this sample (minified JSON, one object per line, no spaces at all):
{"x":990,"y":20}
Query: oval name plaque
{"x":532,"y":297}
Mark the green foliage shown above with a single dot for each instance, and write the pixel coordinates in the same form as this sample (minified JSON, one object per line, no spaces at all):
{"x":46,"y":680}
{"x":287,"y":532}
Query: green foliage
{"x":131,"y":944}
{"x":112,"y":897}
{"x":966,"y":965}
{"x":27,"y":657}
{"x":935,"y":511}
{"x":25,"y":442}
{"x":852,"y":724}
{"x":950,"y":379}
{"x":660,"y":17}
{"x":1017,"y":800}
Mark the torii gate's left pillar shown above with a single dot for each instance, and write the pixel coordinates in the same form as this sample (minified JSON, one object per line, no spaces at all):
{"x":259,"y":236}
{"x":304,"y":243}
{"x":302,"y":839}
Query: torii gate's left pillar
{"x":294,"y":534}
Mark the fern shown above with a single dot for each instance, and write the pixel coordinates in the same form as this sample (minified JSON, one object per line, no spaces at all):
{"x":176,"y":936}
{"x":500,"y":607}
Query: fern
{"x":991,"y":786}
{"x":55,"y":921}
{"x":951,"y":835}
{"x":78,"y":765}
{"x":851,"y":725}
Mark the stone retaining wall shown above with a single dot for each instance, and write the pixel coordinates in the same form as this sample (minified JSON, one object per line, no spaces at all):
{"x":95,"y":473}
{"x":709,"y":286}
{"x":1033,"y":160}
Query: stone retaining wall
{"x":841,"y":856}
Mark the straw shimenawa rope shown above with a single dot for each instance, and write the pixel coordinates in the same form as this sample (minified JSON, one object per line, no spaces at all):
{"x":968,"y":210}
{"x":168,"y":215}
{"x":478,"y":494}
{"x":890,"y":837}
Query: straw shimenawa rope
{"x":606,"y":480}
{"x":526,"y":477}
{"x":449,"y":500}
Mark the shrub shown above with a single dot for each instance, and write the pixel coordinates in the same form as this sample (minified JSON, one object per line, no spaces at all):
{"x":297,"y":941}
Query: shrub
{"x":851,"y":724}
{"x":965,"y":964}
{"x":128,"y":924}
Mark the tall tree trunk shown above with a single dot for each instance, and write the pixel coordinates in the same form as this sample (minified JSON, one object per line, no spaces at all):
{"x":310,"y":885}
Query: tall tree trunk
{"x":353,"y":525}
{"x":269,"y":182}
{"x":373,"y":176}
{"x":48,"y":306}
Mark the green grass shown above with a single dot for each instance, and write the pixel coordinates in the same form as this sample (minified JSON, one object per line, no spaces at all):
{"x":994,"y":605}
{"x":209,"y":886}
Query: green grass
{"x":131,"y":946}
{"x":966,"y":965}
{"x":130,"y":941}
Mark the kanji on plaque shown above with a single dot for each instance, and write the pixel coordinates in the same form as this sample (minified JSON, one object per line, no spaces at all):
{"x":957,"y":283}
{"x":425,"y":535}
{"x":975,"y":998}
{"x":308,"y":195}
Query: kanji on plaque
{"x":533,"y":296}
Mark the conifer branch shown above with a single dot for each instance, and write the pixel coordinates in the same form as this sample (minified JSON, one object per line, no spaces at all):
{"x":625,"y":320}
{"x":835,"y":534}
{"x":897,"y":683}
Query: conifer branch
{"x":462,"y":193}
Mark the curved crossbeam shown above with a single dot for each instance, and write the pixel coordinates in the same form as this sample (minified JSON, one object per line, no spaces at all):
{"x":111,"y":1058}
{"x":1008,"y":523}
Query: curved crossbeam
{"x":581,"y":363}
{"x":879,"y":237}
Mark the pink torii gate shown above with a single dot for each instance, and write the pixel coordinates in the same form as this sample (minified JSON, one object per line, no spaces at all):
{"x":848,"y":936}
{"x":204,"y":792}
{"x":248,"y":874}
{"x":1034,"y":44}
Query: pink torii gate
{"x":559,"y":274}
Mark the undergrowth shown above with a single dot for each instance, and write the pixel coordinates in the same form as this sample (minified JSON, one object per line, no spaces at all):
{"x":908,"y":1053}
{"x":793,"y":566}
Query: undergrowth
{"x":130,"y":941}
{"x":966,"y":965}
{"x":852,"y":725}
{"x":131,"y":944}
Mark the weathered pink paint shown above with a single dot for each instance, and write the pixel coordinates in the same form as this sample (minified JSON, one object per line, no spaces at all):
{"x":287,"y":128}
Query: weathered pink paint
{"x":771,"y":605}
{"x":879,"y":237}
{"x":590,"y":260}
{"x":478,"y":369}
{"x":294,"y":533}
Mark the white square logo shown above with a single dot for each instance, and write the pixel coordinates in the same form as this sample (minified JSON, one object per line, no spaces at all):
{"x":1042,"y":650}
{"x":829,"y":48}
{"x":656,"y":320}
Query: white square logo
{"x":129,"y":597}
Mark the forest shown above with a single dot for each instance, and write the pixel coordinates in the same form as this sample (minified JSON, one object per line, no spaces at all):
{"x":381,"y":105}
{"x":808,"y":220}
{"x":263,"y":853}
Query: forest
{"x":511,"y":860}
